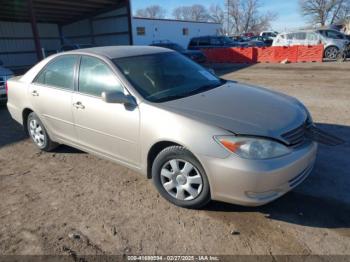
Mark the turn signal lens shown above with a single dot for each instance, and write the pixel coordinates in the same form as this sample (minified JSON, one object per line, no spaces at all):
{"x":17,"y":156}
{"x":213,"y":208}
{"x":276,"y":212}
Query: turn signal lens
{"x":229,"y":145}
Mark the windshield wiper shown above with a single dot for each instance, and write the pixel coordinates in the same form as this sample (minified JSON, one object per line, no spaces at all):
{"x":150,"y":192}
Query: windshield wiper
{"x":193,"y":92}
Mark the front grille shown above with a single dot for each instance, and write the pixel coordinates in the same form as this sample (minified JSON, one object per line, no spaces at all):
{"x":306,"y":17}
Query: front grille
{"x":296,"y":136}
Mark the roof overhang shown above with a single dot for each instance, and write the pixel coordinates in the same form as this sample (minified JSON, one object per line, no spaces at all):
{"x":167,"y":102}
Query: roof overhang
{"x":56,"y":11}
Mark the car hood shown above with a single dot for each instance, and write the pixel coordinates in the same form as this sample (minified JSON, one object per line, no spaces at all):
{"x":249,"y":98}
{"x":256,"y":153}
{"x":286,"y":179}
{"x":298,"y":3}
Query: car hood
{"x":242,"y":109}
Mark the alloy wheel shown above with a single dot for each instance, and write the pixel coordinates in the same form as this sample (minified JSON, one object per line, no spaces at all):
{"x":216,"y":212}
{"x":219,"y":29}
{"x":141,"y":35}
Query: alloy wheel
{"x":331,"y":53}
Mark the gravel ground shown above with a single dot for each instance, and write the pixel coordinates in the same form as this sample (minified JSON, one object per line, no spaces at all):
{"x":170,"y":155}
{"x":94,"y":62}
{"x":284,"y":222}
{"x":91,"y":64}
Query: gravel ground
{"x":70,"y":202}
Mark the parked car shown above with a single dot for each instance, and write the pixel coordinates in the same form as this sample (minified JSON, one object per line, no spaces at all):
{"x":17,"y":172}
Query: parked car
{"x":157,"y":112}
{"x":267,"y":41}
{"x":69,"y":47}
{"x":332,"y":40}
{"x":269,"y":34}
{"x":195,"y":55}
{"x":198,"y":43}
{"x":248,"y":41}
{"x":5,"y":74}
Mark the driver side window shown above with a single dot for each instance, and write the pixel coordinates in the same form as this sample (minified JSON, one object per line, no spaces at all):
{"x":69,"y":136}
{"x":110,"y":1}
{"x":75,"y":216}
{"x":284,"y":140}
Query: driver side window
{"x":96,"y":77}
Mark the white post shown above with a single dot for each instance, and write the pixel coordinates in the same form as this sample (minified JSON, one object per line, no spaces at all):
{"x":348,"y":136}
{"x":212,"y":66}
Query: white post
{"x":43,"y":52}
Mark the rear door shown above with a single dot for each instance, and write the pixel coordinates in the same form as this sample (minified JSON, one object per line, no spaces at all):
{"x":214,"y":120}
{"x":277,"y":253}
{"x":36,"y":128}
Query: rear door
{"x":109,"y":129}
{"x":51,"y":96}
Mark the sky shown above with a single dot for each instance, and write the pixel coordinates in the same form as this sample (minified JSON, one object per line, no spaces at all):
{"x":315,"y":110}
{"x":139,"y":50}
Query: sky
{"x":287,"y":10}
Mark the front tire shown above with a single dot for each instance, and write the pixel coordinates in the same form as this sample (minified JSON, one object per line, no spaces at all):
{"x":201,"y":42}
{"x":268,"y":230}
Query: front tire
{"x":38,"y":133}
{"x":331,"y":52}
{"x":180,"y":178}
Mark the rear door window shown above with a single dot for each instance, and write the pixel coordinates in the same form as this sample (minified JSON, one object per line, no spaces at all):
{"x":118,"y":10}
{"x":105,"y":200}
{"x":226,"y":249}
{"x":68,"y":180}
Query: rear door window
{"x":59,"y":73}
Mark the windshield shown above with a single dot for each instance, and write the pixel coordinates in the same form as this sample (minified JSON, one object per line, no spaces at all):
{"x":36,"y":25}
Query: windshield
{"x":166,"y":76}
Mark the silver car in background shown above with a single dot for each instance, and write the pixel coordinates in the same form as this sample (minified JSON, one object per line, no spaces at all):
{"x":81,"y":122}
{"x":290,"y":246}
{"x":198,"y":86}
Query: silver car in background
{"x":332,"y":40}
{"x":155,"y":111}
{"x":5,"y":74}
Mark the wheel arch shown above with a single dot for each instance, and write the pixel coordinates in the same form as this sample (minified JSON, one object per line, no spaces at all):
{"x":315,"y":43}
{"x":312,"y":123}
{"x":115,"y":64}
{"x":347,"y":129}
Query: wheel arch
{"x":154,"y":151}
{"x":25,"y":113}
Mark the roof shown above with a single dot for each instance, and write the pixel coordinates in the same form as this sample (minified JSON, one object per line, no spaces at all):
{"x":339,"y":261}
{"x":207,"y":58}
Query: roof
{"x":55,"y":11}
{"x":113,"y":52}
{"x":175,"y":20}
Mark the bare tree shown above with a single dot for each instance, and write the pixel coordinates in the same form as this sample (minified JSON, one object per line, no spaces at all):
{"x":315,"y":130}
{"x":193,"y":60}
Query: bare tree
{"x":244,"y":16}
{"x":217,"y":15}
{"x":192,"y":13}
{"x":322,"y":12}
{"x":153,"y":11}
{"x":240,"y":16}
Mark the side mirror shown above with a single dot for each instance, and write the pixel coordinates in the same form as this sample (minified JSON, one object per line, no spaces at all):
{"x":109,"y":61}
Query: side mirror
{"x":117,"y":97}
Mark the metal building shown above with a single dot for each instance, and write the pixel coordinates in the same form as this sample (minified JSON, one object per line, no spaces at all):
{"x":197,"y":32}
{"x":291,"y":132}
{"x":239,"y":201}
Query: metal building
{"x":147,"y":30}
{"x":31,"y":29}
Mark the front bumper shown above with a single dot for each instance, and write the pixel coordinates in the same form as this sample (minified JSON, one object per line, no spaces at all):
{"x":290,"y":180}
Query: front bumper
{"x":257,"y":182}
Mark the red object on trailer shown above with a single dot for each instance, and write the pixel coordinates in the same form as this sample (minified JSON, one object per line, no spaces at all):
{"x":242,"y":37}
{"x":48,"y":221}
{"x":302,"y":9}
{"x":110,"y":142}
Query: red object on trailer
{"x":275,"y":54}
{"x":242,"y":55}
{"x":310,"y":53}
{"x":289,"y":53}
{"x":265,"y":54}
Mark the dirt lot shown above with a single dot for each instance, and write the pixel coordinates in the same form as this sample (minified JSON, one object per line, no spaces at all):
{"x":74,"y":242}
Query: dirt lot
{"x":68,"y":201}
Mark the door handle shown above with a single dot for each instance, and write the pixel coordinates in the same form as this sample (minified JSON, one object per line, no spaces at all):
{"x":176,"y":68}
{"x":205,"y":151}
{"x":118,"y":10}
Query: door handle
{"x":78,"y":105}
{"x":35,"y":93}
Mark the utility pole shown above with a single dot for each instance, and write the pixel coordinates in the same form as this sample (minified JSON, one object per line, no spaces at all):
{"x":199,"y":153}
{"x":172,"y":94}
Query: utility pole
{"x":228,"y":18}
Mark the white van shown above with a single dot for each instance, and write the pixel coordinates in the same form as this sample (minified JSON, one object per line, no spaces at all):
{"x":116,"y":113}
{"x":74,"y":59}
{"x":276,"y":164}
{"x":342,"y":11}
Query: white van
{"x":5,"y":74}
{"x":333,"y":40}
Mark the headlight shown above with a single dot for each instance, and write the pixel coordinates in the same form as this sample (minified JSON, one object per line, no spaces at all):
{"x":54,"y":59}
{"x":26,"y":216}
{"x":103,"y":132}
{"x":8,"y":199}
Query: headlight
{"x":252,"y":147}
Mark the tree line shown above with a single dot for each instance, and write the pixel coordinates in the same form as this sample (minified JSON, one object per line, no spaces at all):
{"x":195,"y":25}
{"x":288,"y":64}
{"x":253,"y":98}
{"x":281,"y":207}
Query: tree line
{"x":236,"y":16}
{"x":243,"y":16}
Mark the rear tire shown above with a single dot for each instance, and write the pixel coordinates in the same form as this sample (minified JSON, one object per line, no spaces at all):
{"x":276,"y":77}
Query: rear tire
{"x":38,"y":133}
{"x":180,"y":178}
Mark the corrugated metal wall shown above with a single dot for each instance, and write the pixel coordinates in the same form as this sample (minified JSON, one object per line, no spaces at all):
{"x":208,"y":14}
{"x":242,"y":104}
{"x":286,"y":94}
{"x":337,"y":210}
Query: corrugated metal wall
{"x":110,"y":28}
{"x":17,"y":48}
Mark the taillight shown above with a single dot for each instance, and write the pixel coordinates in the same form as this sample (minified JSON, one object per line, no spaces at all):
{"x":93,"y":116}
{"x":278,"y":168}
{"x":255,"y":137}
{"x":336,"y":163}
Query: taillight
{"x":6,"y":87}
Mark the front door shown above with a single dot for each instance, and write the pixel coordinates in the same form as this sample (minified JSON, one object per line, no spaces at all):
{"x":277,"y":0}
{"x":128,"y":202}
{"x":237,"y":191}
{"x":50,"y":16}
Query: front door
{"x":107,"y":128}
